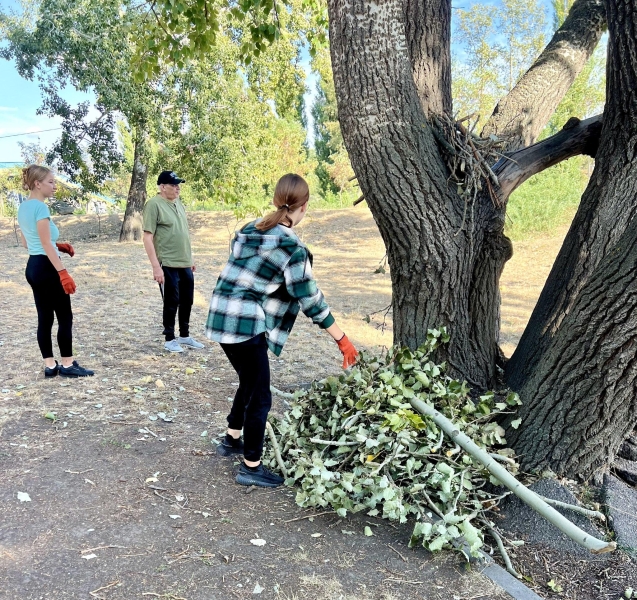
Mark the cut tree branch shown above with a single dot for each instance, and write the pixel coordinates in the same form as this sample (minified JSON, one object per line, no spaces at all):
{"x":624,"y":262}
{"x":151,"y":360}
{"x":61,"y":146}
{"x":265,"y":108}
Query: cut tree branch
{"x":527,"y":496}
{"x":522,"y":114}
{"x":577,"y":137}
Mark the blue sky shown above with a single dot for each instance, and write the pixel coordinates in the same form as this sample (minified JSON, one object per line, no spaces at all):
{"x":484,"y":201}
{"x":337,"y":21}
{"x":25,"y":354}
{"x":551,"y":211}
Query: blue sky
{"x":19,"y":101}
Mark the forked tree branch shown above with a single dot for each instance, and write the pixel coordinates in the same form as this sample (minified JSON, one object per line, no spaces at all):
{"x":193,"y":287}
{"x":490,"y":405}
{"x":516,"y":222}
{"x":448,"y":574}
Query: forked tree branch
{"x":522,"y":114}
{"x":577,"y":137}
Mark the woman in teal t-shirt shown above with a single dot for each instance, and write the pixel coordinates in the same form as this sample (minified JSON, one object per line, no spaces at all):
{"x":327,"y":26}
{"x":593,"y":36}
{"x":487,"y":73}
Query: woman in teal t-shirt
{"x":50,"y":281}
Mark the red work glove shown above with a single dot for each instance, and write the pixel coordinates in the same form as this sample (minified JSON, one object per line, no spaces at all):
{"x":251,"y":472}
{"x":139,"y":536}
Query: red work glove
{"x":66,"y":248}
{"x":348,"y":351}
{"x":67,"y":281}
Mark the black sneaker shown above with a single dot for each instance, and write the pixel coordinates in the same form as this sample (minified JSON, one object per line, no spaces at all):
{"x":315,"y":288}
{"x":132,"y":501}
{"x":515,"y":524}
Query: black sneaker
{"x":75,"y":371}
{"x":52,"y":371}
{"x":230,"y":447}
{"x":260,"y":477}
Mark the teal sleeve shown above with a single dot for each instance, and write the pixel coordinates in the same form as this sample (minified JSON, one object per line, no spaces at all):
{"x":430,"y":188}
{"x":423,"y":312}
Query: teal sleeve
{"x":41,"y":212}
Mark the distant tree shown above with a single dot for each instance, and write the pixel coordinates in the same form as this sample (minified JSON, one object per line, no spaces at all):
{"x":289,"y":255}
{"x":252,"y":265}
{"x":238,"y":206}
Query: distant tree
{"x":496,"y":46}
{"x":32,"y":153}
{"x":88,"y":44}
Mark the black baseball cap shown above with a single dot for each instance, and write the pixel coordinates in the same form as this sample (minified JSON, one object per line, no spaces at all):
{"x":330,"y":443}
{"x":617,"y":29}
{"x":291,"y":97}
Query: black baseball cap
{"x":169,"y":177}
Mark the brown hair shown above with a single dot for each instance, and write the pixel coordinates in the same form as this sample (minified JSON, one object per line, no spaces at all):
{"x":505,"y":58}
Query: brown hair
{"x":33,"y":173}
{"x":290,"y":193}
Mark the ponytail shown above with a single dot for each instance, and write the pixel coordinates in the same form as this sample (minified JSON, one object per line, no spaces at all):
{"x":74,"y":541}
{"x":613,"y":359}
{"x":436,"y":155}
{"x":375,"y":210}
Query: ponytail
{"x":290,"y":193}
{"x":33,"y":173}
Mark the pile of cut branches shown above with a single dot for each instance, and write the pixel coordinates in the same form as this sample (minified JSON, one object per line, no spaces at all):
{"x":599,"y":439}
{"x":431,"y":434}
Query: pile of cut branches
{"x":354,"y":443}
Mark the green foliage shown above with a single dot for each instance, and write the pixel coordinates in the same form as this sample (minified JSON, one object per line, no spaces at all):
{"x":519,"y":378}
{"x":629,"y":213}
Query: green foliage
{"x":10,"y":181}
{"x":548,"y":200}
{"x":386,"y":459}
{"x":86,"y":44}
{"x":177,"y":31}
{"x":496,"y":46}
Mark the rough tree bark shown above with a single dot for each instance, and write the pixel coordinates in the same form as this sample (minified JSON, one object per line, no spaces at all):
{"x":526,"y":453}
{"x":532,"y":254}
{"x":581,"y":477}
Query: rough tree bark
{"x":428,"y":33}
{"x":575,"y":365}
{"x":132,"y":224}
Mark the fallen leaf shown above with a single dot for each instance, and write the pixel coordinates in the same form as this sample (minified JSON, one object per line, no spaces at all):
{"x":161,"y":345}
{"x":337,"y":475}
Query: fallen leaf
{"x":316,"y":535}
{"x":257,"y":589}
{"x":24,"y":497}
{"x":151,"y":479}
{"x":159,"y":383}
{"x":146,"y":379}
{"x":50,"y":415}
{"x":258,"y":542}
{"x":189,"y":371}
{"x":368,"y":531}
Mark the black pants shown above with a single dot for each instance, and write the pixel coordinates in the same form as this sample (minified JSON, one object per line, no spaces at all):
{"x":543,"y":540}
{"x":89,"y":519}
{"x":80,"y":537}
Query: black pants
{"x":50,"y":299}
{"x":253,"y":399}
{"x":179,"y":292}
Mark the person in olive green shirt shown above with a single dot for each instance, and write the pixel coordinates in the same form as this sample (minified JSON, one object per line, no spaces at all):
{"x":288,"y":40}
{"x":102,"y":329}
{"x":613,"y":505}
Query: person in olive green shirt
{"x":167,"y":243}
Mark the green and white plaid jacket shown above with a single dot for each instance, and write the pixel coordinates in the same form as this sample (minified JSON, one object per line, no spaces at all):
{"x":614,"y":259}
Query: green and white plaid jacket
{"x":267,"y":279}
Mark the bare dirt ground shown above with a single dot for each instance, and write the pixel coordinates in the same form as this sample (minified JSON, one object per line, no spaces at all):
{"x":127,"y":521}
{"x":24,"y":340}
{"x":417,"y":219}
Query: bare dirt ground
{"x":124,"y":504}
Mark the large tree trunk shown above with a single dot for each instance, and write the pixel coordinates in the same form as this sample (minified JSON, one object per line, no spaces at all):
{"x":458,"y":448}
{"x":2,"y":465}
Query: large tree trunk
{"x":132,"y":224}
{"x":391,"y":73}
{"x":575,"y":365}
{"x":404,"y":180}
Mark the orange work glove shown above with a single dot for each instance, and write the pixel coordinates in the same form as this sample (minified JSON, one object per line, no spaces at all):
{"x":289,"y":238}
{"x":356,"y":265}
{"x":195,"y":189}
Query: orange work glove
{"x":66,"y":248}
{"x":348,"y":351}
{"x":67,"y":281}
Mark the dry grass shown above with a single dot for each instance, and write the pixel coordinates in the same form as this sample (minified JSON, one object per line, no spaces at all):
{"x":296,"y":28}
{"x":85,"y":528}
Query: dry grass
{"x":87,"y":471}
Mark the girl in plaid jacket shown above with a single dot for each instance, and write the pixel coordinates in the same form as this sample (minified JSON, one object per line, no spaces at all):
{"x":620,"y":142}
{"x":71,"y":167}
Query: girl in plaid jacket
{"x":267,"y":279}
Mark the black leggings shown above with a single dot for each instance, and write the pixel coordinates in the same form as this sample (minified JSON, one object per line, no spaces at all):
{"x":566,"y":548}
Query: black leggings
{"x":179,"y":292}
{"x":253,"y":399}
{"x":50,"y":299}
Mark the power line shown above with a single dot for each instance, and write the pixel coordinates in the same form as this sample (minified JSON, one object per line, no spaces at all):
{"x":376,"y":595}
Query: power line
{"x":28,"y":133}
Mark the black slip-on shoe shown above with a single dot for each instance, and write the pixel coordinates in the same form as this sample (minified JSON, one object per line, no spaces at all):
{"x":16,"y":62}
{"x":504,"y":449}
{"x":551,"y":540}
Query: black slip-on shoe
{"x":52,"y":371}
{"x":75,"y":371}
{"x":230,"y":447}
{"x":260,"y":477}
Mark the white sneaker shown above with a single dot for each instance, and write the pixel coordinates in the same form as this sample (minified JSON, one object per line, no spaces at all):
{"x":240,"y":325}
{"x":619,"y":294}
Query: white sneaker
{"x":188,"y":341}
{"x":173,"y":346}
